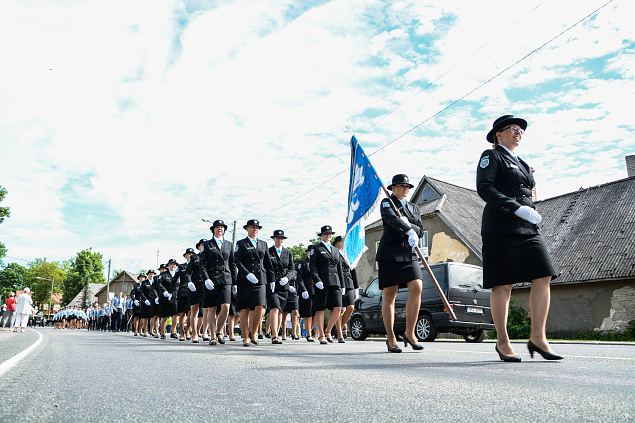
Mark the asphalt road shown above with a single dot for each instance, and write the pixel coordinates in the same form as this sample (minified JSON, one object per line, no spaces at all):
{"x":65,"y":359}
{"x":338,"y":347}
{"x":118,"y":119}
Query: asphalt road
{"x":102,"y":377}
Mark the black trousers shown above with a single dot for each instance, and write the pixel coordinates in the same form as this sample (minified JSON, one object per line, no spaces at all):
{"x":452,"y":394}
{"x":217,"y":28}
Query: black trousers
{"x":115,"y":321}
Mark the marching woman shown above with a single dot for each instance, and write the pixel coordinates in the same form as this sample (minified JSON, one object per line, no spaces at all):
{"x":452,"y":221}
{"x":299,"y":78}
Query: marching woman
{"x":218,"y":270}
{"x":291,"y":309}
{"x":148,"y":295}
{"x":195,"y":285}
{"x":398,"y":264}
{"x":513,"y":249}
{"x":284,"y":276}
{"x":182,"y":294}
{"x":306,"y":301}
{"x":135,"y":295}
{"x":255,"y":273}
{"x":349,"y":293}
{"x":156,"y":312}
{"x":326,"y":268}
{"x":166,"y":291}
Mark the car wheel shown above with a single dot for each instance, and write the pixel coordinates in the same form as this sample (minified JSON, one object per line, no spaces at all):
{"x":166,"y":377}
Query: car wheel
{"x":475,"y":337}
{"x":425,"y":330}
{"x":358,"y":329}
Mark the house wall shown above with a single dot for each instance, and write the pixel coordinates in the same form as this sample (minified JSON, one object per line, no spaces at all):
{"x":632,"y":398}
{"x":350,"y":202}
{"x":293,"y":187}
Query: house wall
{"x":591,"y":306}
{"x":443,"y":244}
{"x":116,"y":286}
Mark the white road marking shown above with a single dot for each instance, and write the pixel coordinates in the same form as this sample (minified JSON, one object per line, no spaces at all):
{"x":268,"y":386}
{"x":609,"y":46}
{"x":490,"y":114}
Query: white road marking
{"x":566,"y":356}
{"x":10,"y":363}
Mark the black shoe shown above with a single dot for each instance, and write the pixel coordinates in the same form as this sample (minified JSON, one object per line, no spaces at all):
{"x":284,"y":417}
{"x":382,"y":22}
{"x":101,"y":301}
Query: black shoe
{"x":260,"y":337}
{"x":221,"y":339}
{"x":545,"y":354}
{"x":212,"y":341}
{"x":205,"y":339}
{"x":232,"y":339}
{"x":329,"y":339}
{"x":135,"y":334}
{"x":162,"y":336}
{"x":341,"y":341}
{"x":188,"y":337}
{"x":508,"y":358}
{"x":414,"y":346}
{"x":392,"y":349}
{"x":253,"y":341}
{"x":276,"y":341}
{"x":174,"y":336}
{"x":310,"y":339}
{"x":245,"y":344}
{"x":195,"y":341}
{"x":267,"y":335}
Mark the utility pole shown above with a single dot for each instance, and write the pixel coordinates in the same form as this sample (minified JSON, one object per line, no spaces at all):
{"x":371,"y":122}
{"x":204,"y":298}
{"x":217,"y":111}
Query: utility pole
{"x":157,"y":258}
{"x":108,"y":281}
{"x":234,"y":235}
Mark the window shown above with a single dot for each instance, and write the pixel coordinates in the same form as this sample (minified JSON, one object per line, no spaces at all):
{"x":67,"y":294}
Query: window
{"x":423,"y":243}
{"x":427,"y":194}
{"x":373,"y":288}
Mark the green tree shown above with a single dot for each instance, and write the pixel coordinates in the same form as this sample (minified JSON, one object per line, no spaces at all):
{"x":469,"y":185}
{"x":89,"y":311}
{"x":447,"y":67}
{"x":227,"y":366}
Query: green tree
{"x":298,"y":252}
{"x":4,"y":213}
{"x":85,"y":268}
{"x":40,"y":275}
{"x":13,"y":277}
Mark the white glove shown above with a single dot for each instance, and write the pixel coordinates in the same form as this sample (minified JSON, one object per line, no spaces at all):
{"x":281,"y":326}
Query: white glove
{"x":252,"y":278}
{"x":209,"y":284}
{"x":191,"y":286}
{"x":170,"y":297}
{"x":356,"y":294}
{"x":292,"y":290}
{"x":272,"y":285}
{"x":406,"y":221}
{"x":343,"y":292}
{"x":284,"y":281}
{"x":166,"y":294}
{"x":234,"y":289}
{"x":528,"y":214}
{"x":319,"y":285}
{"x":136,"y":302}
{"x":413,"y":238}
{"x":146,"y":302}
{"x":305,"y":295}
{"x":156,"y":300}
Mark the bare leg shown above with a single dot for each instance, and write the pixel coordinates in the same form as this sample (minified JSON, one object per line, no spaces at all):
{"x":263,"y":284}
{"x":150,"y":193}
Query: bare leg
{"x":194,"y":321}
{"x":308,"y":326}
{"x":295,"y":323}
{"x":347,"y":315}
{"x":244,"y":324}
{"x":539,"y":301}
{"x":388,"y":313}
{"x":222,"y":318}
{"x":413,"y":304}
{"x":319,"y":321}
{"x":333,"y":321}
{"x":210,"y":323}
{"x":257,"y":321}
{"x":272,"y":322}
{"x":206,"y":322}
{"x":499,"y":302}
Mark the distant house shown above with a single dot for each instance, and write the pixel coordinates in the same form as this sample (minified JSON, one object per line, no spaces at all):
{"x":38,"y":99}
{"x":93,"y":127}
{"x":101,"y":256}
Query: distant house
{"x":93,"y":288}
{"x":590,"y":234}
{"x":121,"y":283}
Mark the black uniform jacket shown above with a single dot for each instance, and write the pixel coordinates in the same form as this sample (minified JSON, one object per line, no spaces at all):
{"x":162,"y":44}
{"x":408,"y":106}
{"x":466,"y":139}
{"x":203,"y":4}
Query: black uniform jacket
{"x":218,"y":265}
{"x":135,"y":294}
{"x":147,"y":292}
{"x":504,"y":182}
{"x":256,"y":260}
{"x":326,"y":266}
{"x":182,"y":278}
{"x":304,"y":277}
{"x":166,"y":283}
{"x":350,"y":276}
{"x":193,"y":269}
{"x":282,"y":267}
{"x":393,"y":245}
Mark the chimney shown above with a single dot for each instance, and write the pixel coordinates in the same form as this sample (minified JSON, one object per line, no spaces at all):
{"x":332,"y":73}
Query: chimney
{"x":630,"y":165}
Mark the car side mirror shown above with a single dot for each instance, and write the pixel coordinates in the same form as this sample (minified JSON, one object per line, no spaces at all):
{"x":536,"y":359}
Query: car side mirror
{"x":362,"y":292}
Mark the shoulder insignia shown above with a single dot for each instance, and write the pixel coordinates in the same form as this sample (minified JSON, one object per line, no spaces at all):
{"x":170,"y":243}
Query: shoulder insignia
{"x":484,"y":162}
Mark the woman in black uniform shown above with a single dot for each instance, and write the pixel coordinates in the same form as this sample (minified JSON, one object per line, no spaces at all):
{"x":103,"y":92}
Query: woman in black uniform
{"x":328,"y":278}
{"x":183,"y":294}
{"x":513,"y":249}
{"x":166,"y":291}
{"x":148,"y":295}
{"x":349,"y":293}
{"x":255,"y":273}
{"x":135,"y":295}
{"x":196,"y":287}
{"x":398,"y":264}
{"x":306,"y":290}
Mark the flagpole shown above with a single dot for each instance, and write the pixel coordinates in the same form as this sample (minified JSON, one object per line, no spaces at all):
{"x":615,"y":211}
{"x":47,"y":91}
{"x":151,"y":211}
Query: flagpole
{"x":423,"y":260}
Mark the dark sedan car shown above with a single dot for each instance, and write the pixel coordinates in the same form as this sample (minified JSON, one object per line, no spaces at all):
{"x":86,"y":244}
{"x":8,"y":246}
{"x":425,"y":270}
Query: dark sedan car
{"x":462,"y":285}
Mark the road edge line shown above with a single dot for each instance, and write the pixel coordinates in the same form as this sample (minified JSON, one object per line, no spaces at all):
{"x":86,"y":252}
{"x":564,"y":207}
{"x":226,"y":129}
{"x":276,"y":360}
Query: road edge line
{"x":7,"y":365}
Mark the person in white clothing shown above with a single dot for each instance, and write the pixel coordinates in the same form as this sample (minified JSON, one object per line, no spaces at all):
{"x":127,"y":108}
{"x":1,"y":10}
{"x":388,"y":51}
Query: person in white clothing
{"x":23,"y":309}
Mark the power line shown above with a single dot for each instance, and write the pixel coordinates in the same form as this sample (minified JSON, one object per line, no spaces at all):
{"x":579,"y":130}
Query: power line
{"x":532,"y":52}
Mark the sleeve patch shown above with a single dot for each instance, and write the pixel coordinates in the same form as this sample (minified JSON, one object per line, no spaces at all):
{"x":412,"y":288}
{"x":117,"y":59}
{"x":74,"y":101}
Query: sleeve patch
{"x":484,"y":162}
{"x":385,"y":204}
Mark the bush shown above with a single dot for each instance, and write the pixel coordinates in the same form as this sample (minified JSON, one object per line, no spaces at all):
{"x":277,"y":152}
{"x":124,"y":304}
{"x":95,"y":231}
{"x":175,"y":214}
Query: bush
{"x":518,"y":324}
{"x":626,"y":335}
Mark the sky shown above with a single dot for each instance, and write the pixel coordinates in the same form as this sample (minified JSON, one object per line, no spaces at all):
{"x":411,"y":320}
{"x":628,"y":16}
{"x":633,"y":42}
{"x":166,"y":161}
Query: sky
{"x":123,"y":124}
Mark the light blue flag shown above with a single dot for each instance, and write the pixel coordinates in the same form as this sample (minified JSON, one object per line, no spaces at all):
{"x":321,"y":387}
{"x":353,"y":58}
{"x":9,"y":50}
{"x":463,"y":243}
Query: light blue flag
{"x":363,"y":195}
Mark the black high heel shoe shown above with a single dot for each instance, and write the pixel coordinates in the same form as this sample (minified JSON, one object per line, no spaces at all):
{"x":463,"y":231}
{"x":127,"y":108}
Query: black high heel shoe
{"x":545,"y":354}
{"x":414,"y":346}
{"x":507,"y":358}
{"x":392,"y":349}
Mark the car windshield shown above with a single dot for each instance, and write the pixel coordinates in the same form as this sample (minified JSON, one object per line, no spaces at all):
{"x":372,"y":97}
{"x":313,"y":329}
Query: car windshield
{"x":466,"y":277}
{"x":373,"y":288}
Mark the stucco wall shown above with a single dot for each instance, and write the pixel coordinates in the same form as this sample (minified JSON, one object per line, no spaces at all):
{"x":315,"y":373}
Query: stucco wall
{"x":443,"y":244}
{"x":586,"y":307}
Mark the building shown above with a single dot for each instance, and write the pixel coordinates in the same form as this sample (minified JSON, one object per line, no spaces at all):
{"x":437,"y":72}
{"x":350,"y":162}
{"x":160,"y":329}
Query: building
{"x":93,"y":288}
{"x":590,"y":234}
{"x":121,"y":283}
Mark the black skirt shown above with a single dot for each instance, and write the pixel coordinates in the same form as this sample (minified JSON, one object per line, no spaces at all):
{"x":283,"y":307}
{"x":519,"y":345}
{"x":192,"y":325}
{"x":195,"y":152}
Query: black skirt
{"x":145,"y":311}
{"x":349,"y":298}
{"x":393,"y":273}
{"x":250,"y":297}
{"x":221,"y":294}
{"x":510,"y":259}
{"x":306,"y":307}
{"x":320,"y":299}
{"x":276,"y":300}
{"x":292,"y":303}
{"x":196,"y":297}
{"x":233,"y":306}
{"x":183,"y":305}
{"x":167,"y":309}
{"x":333,"y":297}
